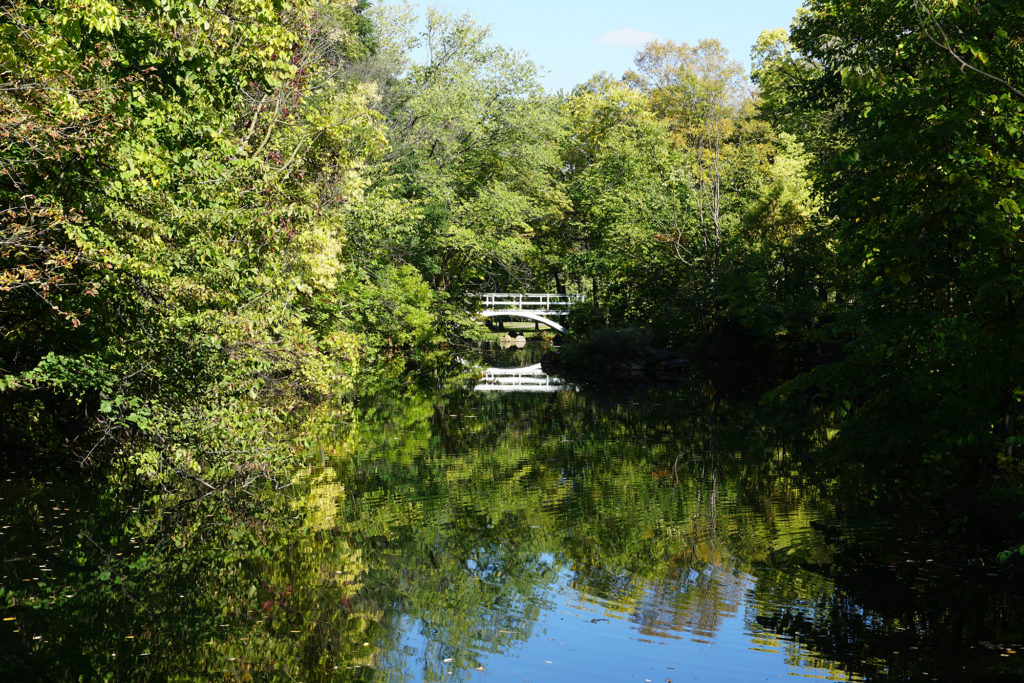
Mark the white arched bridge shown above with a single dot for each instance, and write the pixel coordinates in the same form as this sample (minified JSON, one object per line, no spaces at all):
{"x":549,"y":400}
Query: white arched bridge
{"x":541,"y":308}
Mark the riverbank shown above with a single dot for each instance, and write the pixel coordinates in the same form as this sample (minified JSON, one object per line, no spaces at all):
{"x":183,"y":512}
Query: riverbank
{"x":615,"y":355}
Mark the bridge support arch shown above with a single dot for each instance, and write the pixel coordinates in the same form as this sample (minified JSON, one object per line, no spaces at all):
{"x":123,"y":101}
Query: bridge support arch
{"x":529,"y":315}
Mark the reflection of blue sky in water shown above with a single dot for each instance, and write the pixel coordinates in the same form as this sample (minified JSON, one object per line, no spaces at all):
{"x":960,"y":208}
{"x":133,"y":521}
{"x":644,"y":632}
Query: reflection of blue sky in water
{"x":673,"y":634}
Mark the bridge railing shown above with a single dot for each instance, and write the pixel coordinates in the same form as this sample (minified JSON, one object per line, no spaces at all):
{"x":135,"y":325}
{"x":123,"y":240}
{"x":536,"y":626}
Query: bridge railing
{"x":551,"y":303}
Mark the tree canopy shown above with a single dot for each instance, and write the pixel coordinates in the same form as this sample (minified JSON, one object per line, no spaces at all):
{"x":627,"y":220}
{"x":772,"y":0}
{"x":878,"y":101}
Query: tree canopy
{"x":215,"y":214}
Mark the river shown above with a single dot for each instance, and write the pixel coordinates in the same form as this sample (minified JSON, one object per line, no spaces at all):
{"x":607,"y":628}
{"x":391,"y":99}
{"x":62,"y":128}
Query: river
{"x":567,"y":534}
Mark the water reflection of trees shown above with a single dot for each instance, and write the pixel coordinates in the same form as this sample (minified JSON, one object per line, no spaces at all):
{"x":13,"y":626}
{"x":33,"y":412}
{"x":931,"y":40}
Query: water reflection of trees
{"x":252,"y":586}
{"x":441,"y":523}
{"x":652,"y":508}
{"x":676,"y":511}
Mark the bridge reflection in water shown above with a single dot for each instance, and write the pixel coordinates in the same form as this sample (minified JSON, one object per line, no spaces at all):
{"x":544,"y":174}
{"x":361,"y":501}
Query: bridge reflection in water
{"x":530,"y":378}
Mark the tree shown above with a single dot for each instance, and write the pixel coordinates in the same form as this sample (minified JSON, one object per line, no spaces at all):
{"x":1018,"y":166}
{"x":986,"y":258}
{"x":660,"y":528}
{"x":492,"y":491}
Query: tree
{"x":616,"y":157}
{"x":473,"y":151}
{"x":175,"y":183}
{"x":698,"y":91}
{"x":927,"y":195}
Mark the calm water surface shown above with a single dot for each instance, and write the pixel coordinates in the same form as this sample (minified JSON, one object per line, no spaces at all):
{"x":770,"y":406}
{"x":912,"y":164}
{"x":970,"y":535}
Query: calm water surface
{"x":505,"y":535}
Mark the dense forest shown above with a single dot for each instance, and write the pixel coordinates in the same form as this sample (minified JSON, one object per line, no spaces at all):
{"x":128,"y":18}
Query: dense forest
{"x":218,"y":214}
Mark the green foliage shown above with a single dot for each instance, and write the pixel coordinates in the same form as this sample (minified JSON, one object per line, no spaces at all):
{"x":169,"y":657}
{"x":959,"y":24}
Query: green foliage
{"x":780,"y":273}
{"x":686,"y":200}
{"x":474,"y":155}
{"x":615,"y":159}
{"x":177,"y":180}
{"x":925,"y":185}
{"x":212,"y":214}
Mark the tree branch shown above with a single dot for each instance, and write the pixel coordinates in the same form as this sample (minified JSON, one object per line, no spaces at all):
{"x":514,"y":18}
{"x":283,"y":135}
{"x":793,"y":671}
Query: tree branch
{"x":919,"y":5}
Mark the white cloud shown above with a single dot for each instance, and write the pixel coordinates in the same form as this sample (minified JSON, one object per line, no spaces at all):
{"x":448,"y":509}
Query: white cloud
{"x":626,"y":37}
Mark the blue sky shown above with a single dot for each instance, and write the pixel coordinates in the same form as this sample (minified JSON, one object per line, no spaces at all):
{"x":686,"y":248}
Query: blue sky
{"x":573,"y":39}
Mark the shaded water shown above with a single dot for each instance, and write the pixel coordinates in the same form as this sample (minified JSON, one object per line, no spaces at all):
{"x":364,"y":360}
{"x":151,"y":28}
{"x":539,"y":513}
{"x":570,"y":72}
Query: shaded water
{"x":639,"y":535}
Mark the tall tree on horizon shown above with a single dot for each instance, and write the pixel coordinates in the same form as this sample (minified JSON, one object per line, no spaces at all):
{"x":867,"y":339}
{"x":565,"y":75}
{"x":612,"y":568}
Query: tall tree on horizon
{"x":698,"y":91}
